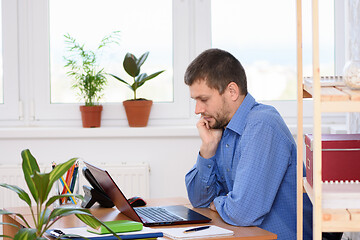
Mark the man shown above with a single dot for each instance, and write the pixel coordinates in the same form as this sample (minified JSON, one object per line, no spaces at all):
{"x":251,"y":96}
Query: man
{"x":246,"y":167}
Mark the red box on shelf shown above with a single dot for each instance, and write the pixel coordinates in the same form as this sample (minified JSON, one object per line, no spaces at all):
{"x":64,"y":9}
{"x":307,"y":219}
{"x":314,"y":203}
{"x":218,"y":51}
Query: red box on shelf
{"x":340,"y":157}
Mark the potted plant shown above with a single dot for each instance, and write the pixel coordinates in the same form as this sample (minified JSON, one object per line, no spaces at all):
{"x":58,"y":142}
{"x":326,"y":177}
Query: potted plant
{"x":43,"y":215}
{"x":137,"y":109}
{"x":88,"y":77}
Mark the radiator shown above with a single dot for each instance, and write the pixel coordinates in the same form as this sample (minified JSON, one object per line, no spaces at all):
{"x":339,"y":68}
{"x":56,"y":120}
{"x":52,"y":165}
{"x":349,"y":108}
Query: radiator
{"x":131,"y":178}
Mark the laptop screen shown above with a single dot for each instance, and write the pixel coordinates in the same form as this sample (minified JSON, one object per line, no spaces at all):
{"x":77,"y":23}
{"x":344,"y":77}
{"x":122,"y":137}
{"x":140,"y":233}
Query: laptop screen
{"x":113,"y":191}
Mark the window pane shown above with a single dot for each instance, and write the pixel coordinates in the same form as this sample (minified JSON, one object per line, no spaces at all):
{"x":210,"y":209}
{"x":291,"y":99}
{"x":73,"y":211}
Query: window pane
{"x":264,"y":40}
{"x":326,"y":37}
{"x":1,"y":61}
{"x":143,"y":25}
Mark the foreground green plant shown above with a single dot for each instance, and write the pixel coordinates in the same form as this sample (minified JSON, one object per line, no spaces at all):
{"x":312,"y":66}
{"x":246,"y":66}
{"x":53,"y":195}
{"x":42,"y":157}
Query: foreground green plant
{"x":40,"y":185}
{"x":132,"y":66}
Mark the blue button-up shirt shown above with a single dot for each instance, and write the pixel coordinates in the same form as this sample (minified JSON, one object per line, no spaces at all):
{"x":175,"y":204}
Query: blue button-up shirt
{"x":252,"y":177}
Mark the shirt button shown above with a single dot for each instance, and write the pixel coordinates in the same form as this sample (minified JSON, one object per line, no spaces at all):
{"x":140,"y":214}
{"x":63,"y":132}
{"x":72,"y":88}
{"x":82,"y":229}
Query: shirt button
{"x":209,"y":166}
{"x":227,"y":145}
{"x":222,"y":177}
{"x":228,"y":170}
{"x":207,"y":187}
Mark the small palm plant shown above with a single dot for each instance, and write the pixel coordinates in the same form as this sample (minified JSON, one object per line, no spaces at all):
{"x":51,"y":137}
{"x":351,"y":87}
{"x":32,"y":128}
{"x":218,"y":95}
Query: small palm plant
{"x":132,"y":66}
{"x":82,"y":66}
{"x":40,"y":185}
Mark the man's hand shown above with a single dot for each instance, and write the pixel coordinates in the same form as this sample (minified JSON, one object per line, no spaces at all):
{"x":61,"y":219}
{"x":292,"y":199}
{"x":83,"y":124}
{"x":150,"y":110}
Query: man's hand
{"x":210,"y":138}
{"x":212,"y":206}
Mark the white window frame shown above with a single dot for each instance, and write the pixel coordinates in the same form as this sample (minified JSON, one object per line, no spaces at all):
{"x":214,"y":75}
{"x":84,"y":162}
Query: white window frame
{"x":27,"y":70}
{"x":287,"y":108}
{"x":113,"y":114}
{"x":10,"y":111}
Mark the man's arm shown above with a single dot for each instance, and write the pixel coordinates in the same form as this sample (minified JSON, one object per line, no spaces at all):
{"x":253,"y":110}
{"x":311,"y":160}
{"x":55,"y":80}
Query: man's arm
{"x":201,"y":179}
{"x":265,"y":157}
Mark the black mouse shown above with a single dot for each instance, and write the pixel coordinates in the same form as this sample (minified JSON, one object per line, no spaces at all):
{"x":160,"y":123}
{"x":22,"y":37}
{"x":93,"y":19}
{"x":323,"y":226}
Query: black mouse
{"x":136,"y":202}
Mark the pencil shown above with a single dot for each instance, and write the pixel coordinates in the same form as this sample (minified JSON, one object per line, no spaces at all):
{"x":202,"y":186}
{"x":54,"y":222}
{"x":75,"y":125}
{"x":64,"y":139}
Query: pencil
{"x":74,"y":178}
{"x":69,"y":176}
{"x":67,"y":187}
{"x":67,"y":179}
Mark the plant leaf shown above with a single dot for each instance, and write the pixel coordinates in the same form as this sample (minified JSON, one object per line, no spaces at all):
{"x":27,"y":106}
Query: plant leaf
{"x":130,"y":65}
{"x":116,"y":77}
{"x":45,"y":214}
{"x":5,"y":236}
{"x":140,"y":77}
{"x":94,"y":223}
{"x":65,"y":211}
{"x":30,"y":166}
{"x":58,"y":172}
{"x":149,"y":77}
{"x":54,"y":198}
{"x":142,"y":59}
{"x":41,"y":181}
{"x":3,"y":212}
{"x":10,"y":224}
{"x":26,"y":234}
{"x":21,"y":193}
{"x":89,"y":220}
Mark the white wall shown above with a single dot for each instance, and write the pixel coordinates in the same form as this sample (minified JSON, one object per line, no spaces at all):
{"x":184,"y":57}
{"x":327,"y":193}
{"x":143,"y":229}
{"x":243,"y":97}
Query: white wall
{"x":170,"y":152}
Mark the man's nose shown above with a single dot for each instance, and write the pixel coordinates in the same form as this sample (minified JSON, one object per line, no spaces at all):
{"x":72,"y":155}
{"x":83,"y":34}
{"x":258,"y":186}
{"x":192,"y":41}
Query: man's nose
{"x":199,"y":108}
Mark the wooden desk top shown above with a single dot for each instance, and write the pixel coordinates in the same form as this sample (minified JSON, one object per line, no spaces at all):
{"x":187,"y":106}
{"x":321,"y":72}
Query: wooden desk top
{"x":107,"y":214}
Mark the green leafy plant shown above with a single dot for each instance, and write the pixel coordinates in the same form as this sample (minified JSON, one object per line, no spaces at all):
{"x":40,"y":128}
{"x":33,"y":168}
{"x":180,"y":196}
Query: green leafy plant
{"x":132,"y":66}
{"x":88,"y":77}
{"x":43,"y":215}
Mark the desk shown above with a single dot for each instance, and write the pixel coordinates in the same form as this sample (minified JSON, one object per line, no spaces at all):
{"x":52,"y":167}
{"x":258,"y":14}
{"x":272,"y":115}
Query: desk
{"x":107,"y":214}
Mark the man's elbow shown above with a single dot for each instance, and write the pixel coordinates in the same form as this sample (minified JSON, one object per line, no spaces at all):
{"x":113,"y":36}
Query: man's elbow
{"x":242,"y":221}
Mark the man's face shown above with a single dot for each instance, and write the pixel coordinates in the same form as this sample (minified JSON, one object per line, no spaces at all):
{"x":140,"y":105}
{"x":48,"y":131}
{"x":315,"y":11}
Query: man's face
{"x":212,"y":106}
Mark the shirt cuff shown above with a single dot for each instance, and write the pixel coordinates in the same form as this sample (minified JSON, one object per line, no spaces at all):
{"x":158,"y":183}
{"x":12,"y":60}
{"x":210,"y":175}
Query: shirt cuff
{"x":205,"y":165}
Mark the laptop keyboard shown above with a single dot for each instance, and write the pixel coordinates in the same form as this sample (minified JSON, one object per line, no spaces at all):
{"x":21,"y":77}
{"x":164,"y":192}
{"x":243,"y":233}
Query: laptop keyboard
{"x":158,"y":214}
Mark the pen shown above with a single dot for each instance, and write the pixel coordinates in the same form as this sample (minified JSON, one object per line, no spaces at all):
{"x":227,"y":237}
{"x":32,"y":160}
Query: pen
{"x":196,"y":229}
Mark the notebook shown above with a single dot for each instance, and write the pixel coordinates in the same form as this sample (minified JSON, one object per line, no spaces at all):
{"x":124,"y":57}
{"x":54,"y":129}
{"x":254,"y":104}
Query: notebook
{"x":212,"y":231}
{"x":149,"y":216}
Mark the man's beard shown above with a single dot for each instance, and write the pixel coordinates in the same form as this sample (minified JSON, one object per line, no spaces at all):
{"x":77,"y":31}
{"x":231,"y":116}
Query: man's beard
{"x":220,"y":123}
{"x":221,"y":117}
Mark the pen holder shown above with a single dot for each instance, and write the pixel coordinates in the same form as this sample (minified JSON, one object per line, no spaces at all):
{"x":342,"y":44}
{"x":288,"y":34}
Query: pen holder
{"x":69,"y":183}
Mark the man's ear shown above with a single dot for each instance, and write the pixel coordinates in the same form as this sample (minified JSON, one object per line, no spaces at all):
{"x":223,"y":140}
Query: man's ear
{"x":234,"y":91}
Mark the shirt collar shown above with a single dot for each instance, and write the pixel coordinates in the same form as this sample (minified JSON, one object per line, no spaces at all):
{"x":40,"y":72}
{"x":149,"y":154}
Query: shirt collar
{"x":238,"y":121}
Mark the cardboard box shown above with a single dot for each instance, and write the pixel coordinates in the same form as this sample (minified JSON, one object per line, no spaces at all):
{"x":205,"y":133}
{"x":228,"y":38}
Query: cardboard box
{"x":340,"y":157}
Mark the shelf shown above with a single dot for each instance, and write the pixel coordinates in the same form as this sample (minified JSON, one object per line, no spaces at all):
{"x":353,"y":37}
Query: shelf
{"x":335,"y":196}
{"x":334,"y":93}
{"x":337,"y":98}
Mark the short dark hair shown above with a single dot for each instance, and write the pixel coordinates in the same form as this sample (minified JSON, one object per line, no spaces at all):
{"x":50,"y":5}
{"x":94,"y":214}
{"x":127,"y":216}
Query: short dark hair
{"x":218,"y":68}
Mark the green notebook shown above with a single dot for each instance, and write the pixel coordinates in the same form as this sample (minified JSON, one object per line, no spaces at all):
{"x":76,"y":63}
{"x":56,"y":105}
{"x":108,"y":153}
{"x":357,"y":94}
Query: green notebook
{"x":117,"y":226}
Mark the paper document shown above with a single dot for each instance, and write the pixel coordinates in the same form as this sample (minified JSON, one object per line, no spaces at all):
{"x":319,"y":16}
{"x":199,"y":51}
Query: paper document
{"x":178,"y":233}
{"x":82,"y":231}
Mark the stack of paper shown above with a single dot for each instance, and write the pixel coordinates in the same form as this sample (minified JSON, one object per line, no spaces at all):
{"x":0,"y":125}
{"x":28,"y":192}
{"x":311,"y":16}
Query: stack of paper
{"x":82,"y":231}
{"x":212,"y":231}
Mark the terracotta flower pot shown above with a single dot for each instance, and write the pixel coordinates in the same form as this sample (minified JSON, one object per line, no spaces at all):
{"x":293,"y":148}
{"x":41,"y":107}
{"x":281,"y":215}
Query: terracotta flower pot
{"x":91,"y":116}
{"x":137,"y":112}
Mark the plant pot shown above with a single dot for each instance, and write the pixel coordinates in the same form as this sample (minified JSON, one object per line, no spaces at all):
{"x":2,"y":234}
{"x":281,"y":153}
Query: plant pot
{"x":137,"y":112}
{"x":91,"y":116}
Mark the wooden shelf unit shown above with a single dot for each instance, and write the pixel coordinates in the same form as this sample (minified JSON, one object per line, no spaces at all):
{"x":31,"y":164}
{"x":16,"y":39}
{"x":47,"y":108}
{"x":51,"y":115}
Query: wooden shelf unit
{"x":337,"y":219}
{"x":337,"y":98}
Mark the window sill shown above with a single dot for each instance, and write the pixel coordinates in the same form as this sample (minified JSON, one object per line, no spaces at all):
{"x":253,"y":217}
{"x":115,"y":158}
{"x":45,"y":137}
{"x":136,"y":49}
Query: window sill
{"x":102,"y":132}
{"x":126,"y":132}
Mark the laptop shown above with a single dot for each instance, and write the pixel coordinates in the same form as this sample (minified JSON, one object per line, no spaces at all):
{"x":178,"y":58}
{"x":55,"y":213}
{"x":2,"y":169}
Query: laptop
{"x":149,"y":216}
